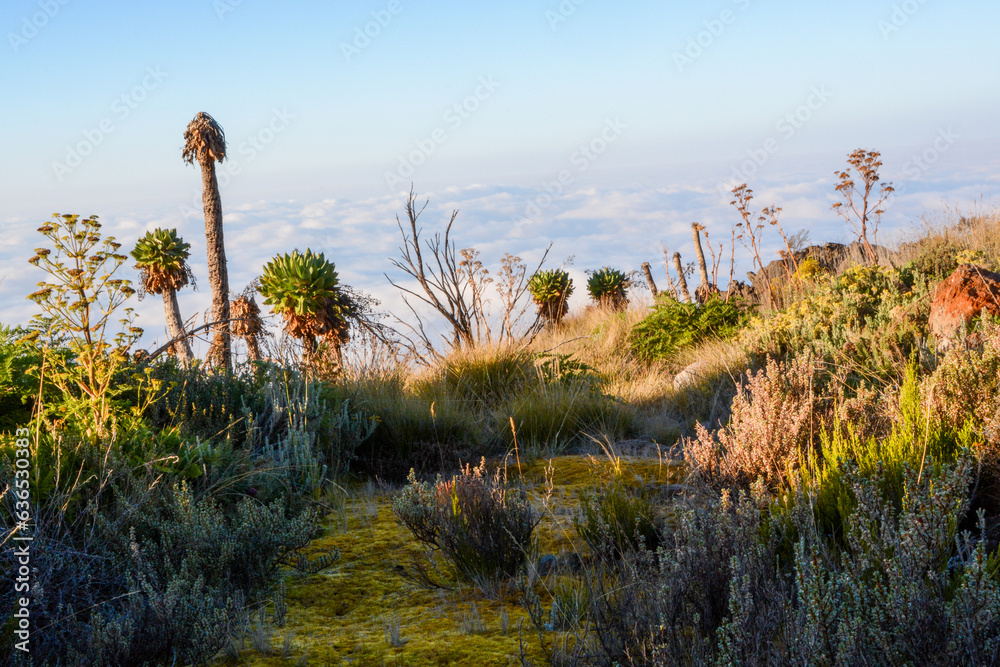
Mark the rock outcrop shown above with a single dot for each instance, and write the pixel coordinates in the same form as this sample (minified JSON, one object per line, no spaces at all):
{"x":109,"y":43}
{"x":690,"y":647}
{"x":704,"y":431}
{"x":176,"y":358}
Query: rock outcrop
{"x":961,"y":297}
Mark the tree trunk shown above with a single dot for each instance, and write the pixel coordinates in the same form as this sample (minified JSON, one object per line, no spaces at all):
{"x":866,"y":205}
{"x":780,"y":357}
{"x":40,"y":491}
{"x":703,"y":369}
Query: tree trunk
{"x":682,"y":281}
{"x":696,"y":232}
{"x":253,"y":348}
{"x":219,"y":352}
{"x":175,"y":326}
{"x":649,"y":279}
{"x":311,"y":348}
{"x":670,"y":281}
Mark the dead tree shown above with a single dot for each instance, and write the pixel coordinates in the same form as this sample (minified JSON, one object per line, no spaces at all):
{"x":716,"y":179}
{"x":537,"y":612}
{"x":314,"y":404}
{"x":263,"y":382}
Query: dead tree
{"x":681,"y":280}
{"x":707,"y":288}
{"x":670,"y":281}
{"x":442,"y":288}
{"x":456,"y":285}
{"x":649,"y":279}
{"x":699,"y":253}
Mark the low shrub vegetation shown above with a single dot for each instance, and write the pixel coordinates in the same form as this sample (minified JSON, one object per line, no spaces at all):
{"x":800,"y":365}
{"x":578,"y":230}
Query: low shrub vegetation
{"x":821,"y":487}
{"x":476,"y":519}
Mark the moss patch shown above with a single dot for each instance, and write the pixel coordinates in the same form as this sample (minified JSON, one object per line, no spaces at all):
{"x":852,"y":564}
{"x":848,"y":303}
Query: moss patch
{"x":341,"y":616}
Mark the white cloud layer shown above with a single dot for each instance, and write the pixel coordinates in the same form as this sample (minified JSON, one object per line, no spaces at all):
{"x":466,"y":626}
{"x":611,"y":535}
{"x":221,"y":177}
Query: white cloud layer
{"x":618,"y":225}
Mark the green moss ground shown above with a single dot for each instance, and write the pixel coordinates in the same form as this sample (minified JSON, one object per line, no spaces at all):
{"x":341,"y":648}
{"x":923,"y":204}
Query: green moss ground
{"x":337,"y":617}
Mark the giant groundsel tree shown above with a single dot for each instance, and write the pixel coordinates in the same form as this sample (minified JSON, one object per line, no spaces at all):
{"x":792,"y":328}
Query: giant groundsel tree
{"x":305,"y":290}
{"x":205,"y":143}
{"x":161,"y":258}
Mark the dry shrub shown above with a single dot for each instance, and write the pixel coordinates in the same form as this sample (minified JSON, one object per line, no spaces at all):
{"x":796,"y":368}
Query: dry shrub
{"x":952,"y":238}
{"x":484,"y":527}
{"x":966,"y":385}
{"x":767,"y":431}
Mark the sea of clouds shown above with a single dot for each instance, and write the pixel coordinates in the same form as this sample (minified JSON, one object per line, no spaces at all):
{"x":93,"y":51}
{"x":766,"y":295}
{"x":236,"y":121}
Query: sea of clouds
{"x":621,"y":223}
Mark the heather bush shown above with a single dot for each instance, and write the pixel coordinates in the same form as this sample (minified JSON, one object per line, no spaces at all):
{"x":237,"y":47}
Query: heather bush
{"x":767,"y":433}
{"x":966,"y":384}
{"x":917,"y":440}
{"x":242,"y":550}
{"x":304,"y":427}
{"x":476,"y":519}
{"x":668,"y":608}
{"x":208,"y":405}
{"x":157,"y":574}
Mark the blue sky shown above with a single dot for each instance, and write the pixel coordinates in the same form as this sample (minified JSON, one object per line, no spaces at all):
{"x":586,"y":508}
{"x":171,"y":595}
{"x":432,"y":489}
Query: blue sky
{"x":498,"y":97}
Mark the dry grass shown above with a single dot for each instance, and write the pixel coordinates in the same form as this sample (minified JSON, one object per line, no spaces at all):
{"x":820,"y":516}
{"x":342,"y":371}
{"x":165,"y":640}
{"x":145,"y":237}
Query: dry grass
{"x":951,"y":234}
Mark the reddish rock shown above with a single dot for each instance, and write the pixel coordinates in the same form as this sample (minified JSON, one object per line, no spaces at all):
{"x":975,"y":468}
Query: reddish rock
{"x":963,"y":295}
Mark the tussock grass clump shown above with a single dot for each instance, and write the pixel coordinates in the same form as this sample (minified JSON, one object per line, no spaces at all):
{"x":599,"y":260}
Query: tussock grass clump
{"x":482,"y":377}
{"x":615,"y":520}
{"x":553,"y":417}
{"x":463,"y":408}
{"x":952,"y":238}
{"x":418,"y":424}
